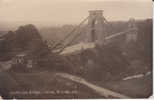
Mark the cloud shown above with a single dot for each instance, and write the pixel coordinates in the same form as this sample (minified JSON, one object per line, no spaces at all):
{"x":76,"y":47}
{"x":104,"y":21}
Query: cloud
{"x":113,"y":0}
{"x":72,"y":11}
{"x":5,"y":1}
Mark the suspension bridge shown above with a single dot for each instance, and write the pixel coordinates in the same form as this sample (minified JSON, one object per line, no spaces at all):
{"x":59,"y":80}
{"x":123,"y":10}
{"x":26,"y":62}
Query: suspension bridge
{"x":95,"y":34}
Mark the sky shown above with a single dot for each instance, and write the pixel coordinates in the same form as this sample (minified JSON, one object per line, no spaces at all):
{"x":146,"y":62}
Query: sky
{"x":59,"y":12}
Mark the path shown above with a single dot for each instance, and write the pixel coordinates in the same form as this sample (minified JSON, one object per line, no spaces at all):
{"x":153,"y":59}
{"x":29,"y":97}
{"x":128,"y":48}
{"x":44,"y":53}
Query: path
{"x":100,"y":90}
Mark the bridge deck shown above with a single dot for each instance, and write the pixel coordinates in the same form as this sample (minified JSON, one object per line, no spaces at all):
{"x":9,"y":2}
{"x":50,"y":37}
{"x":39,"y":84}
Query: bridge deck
{"x":77,"y":47}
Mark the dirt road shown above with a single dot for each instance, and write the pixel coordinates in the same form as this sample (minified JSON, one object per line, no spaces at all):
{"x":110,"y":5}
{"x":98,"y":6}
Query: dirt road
{"x":100,"y":90}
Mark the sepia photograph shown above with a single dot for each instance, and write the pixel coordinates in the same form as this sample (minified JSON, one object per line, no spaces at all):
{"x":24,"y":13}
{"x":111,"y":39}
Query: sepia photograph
{"x":76,"y":49}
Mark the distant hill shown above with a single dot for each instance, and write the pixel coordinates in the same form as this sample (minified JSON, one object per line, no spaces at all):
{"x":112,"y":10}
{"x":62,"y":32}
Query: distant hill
{"x":25,"y":38}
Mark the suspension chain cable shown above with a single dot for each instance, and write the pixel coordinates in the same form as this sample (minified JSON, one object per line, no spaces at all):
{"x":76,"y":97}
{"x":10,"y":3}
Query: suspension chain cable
{"x":68,"y":35}
{"x":75,"y":37}
{"x":108,"y":22}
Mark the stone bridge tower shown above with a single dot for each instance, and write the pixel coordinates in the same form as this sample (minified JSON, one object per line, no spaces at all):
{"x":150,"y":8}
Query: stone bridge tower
{"x":132,"y":35}
{"x":95,"y":32}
